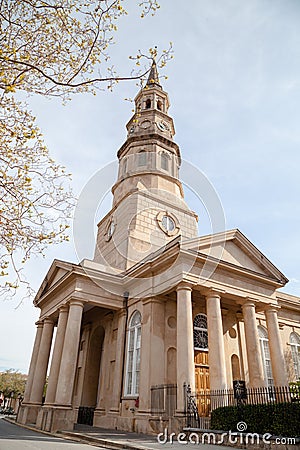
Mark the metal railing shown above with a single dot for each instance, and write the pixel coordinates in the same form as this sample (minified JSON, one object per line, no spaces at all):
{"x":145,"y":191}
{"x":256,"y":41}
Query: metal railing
{"x":85,"y":415}
{"x":199,"y":405}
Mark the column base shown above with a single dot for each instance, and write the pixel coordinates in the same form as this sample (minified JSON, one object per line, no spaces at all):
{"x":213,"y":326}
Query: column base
{"x":62,"y":418}
{"x":28,"y":414}
{"x":48,"y":418}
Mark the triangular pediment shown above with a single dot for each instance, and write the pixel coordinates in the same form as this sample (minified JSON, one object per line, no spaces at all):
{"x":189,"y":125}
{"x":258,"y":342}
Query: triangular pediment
{"x":233,"y":248}
{"x":57,"y":271}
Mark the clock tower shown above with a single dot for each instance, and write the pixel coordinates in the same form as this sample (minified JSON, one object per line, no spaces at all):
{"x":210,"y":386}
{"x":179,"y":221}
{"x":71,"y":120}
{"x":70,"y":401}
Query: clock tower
{"x":148,"y":207}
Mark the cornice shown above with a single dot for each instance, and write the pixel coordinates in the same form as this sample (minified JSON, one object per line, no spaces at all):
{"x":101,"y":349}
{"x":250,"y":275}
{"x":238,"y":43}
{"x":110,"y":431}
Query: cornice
{"x":142,"y":173}
{"x":148,"y":137}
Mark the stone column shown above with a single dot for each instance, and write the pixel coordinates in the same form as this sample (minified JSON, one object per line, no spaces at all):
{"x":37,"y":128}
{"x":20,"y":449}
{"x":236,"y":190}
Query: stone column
{"x":67,"y":369}
{"x":57,"y":352}
{"x":255,"y":366}
{"x":115,"y":401}
{"x":33,"y":361}
{"x":216,"y":353}
{"x":185,"y":343}
{"x":42,"y":362}
{"x":275,"y":345}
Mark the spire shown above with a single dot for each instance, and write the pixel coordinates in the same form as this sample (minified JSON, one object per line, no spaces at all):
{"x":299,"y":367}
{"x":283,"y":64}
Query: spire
{"x":153,"y":78}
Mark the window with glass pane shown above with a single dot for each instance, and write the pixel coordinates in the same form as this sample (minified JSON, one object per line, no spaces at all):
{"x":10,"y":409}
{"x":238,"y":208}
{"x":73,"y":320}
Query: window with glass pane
{"x":200,"y":332}
{"x":295,"y":350}
{"x":133,"y":355}
{"x":265,"y":354}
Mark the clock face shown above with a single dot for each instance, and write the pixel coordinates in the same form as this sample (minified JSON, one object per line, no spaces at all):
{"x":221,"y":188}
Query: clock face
{"x":162,"y":126}
{"x":145,"y":124}
{"x":110,"y":230}
{"x":168,"y":223}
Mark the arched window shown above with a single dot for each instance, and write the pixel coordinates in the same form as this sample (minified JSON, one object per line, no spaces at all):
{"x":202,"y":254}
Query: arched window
{"x":142,"y":158}
{"x":159,"y":105}
{"x":148,"y":103}
{"x":295,"y":349}
{"x":164,"y":161}
{"x":200,"y":332}
{"x":133,"y":355}
{"x":265,"y":354}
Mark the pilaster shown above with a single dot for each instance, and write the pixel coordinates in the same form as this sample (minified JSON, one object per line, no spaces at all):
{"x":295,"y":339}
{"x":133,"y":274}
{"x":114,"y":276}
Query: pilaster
{"x":119,"y":365}
{"x":153,"y":328}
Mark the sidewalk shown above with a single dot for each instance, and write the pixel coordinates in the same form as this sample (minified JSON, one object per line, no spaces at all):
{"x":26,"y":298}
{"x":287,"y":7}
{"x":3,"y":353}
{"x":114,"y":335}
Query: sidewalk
{"x":115,"y":439}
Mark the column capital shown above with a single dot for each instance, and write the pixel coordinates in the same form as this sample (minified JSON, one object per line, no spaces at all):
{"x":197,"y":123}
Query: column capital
{"x":48,"y":320}
{"x":39,"y":323}
{"x":271,"y":308}
{"x":239,"y":316}
{"x":64,"y":308}
{"x":248,"y":301}
{"x":184,"y":286}
{"x":76,"y":302}
{"x":212,"y":292}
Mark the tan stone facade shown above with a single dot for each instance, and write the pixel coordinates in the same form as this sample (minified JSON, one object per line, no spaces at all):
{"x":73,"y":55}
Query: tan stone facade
{"x":158,"y":305}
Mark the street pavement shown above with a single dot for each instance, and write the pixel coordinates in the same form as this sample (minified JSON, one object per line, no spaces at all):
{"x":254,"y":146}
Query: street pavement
{"x":14,"y":437}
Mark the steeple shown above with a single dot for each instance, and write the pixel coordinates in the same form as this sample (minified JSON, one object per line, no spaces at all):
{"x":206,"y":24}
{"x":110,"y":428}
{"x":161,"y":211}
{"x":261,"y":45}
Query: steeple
{"x":153,"y":79}
{"x":149,"y":147}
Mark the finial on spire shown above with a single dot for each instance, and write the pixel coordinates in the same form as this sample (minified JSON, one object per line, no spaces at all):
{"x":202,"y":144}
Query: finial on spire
{"x":153,"y":78}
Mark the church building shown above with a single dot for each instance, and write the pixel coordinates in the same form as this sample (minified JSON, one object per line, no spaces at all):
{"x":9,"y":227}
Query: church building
{"x":158,"y":307}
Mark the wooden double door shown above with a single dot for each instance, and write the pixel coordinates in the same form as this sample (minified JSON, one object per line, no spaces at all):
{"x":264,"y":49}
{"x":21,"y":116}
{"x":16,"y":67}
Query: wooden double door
{"x":202,"y":382}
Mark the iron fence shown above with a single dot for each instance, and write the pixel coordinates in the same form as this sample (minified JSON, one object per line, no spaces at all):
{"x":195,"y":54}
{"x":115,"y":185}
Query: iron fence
{"x":199,"y":405}
{"x":85,"y":415}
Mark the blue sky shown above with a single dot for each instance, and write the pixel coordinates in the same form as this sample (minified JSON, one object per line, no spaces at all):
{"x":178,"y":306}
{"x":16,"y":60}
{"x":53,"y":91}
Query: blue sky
{"x":234,"y":87}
